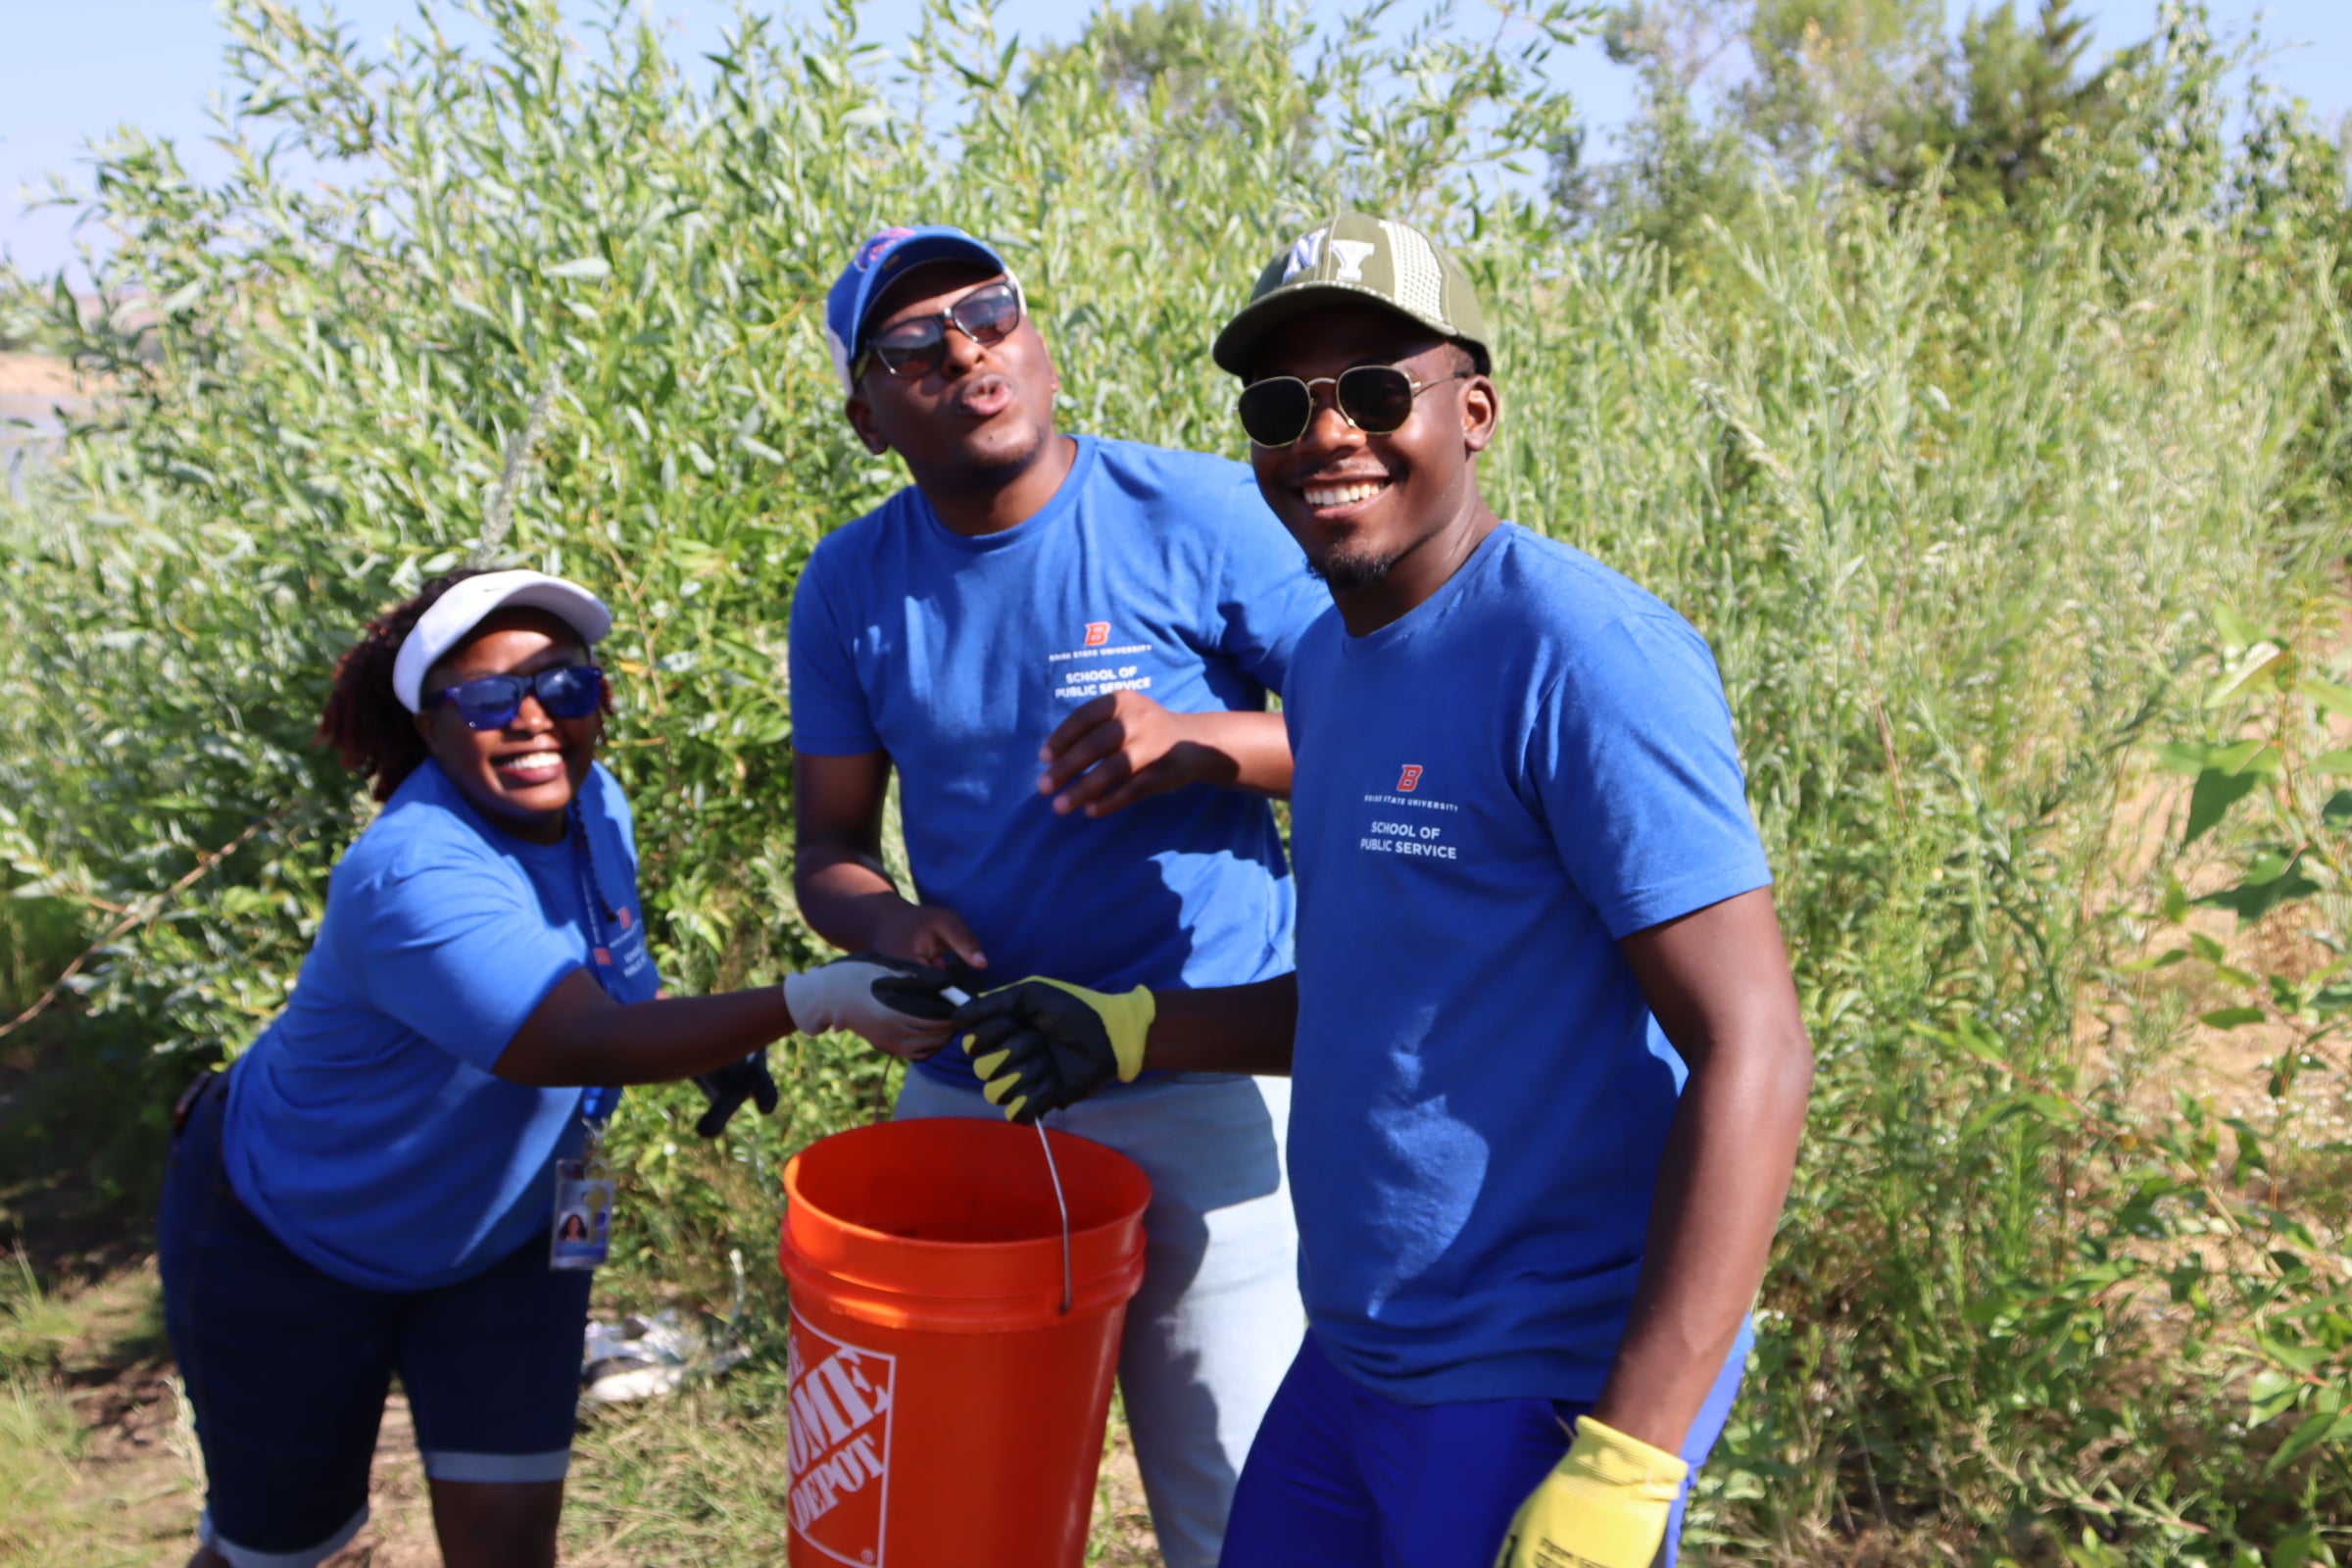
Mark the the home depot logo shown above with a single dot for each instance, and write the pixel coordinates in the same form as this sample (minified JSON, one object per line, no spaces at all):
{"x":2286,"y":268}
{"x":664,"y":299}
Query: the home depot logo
{"x":840,"y":1446}
{"x":1098,"y":632}
{"x":1409,"y":780}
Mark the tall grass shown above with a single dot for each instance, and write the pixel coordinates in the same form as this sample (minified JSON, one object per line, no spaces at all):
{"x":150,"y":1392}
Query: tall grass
{"x":1955,"y":497}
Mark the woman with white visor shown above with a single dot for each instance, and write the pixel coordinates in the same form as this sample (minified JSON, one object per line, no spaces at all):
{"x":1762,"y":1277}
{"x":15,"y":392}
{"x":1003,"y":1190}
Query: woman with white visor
{"x":401,"y":1174}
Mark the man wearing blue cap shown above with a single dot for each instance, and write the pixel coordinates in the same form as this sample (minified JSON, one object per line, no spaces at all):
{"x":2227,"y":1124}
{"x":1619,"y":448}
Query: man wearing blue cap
{"x":1065,"y":646}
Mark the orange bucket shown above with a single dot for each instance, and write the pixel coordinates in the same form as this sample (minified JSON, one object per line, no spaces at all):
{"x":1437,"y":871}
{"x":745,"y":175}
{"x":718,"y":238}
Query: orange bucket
{"x":948,"y":1399}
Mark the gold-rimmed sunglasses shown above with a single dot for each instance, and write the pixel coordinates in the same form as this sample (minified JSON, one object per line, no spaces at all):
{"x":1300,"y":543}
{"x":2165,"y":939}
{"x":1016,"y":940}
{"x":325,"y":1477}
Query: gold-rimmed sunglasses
{"x":1377,"y":399}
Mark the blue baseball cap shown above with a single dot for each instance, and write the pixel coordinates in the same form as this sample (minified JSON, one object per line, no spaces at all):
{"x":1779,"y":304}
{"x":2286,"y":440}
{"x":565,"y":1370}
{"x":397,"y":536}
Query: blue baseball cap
{"x":881,"y":262}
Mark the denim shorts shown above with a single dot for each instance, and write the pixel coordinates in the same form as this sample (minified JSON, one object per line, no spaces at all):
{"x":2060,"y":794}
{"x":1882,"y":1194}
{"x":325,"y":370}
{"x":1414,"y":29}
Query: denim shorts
{"x":288,"y":1368}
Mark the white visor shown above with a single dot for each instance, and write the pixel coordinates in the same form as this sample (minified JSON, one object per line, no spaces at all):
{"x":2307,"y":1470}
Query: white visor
{"x":468,"y":605}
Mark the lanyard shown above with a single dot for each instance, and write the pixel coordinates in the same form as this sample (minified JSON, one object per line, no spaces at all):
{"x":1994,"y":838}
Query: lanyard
{"x":597,"y":1104}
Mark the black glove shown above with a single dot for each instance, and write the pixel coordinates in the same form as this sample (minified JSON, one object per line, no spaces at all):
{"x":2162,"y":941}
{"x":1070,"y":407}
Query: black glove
{"x":1039,"y":1044}
{"x":728,"y":1087}
{"x":915,"y":989}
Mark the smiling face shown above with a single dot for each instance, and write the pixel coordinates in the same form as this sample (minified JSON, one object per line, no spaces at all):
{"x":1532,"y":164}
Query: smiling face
{"x":983,"y":417}
{"x":521,"y":776}
{"x":1384,"y":518}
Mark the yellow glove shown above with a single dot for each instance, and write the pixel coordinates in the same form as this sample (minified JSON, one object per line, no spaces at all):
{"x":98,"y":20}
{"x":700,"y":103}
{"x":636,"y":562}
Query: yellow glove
{"x":1602,"y":1506}
{"x":1039,"y":1044}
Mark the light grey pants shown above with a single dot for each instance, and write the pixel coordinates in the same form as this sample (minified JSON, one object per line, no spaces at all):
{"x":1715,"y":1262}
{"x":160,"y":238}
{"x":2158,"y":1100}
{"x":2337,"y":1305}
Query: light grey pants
{"x":1217,"y":1321}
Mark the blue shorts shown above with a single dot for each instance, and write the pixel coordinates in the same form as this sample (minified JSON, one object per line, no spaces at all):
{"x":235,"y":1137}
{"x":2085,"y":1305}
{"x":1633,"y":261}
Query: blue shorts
{"x":1340,"y":1477}
{"x":287,"y":1368}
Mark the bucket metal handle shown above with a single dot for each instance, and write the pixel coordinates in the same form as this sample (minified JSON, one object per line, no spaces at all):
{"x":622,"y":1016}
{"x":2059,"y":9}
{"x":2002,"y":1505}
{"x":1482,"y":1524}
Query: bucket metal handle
{"x":1047,"y":1144}
{"x":957,"y":996}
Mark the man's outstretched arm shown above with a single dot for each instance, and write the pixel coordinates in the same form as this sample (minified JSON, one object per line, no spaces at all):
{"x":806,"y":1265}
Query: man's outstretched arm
{"x":1043,"y":1045}
{"x":1226,"y":1028}
{"x":1718,"y":982}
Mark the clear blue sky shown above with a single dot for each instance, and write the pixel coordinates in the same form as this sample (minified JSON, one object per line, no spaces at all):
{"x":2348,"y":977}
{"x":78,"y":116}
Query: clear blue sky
{"x":74,"y":70}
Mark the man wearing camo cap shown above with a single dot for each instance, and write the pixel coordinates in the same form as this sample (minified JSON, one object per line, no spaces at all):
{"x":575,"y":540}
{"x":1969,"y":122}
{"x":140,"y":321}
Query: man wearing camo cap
{"x":1548,"y":1069}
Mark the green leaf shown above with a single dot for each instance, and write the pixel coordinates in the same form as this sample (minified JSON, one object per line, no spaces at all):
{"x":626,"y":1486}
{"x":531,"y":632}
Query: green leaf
{"x":2188,"y":757}
{"x":2251,"y":900}
{"x":2314,"y":1431}
{"x":2338,"y":761}
{"x":2052,"y":1109}
{"x":2229,"y":776}
{"x":2288,"y":1353}
{"x":1978,"y":1041}
{"x":2264,"y":663}
{"x":2235,"y":629}
{"x":2327,"y":694}
{"x":2231,"y":1018}
{"x":2337,"y":812}
{"x":2271,"y":1396}
{"x":2268,"y":865}
{"x":2162,"y":961}
{"x":2247,"y":756}
{"x":2301,"y":1547}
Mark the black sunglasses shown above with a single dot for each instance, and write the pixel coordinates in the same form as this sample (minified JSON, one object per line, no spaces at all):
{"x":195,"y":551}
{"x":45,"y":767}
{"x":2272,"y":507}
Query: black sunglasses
{"x":491,"y":702}
{"x":1377,"y":399}
{"x":914,"y":347}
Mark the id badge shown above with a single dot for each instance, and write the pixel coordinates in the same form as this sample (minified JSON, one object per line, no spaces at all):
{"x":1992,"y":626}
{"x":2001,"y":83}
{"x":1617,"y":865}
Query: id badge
{"x":583,"y":1233}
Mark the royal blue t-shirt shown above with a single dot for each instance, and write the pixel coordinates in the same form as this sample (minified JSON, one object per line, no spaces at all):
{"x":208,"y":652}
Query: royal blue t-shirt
{"x":1490,"y":792}
{"x":1151,"y":571}
{"x":365,"y":1126}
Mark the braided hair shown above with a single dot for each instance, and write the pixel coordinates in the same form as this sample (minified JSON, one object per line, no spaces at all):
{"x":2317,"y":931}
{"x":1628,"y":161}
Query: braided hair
{"x":364,"y":720}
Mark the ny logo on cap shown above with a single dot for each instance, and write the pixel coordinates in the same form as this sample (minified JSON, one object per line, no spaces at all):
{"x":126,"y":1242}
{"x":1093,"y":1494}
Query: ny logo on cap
{"x":1305,"y":252}
{"x":1351,"y":254}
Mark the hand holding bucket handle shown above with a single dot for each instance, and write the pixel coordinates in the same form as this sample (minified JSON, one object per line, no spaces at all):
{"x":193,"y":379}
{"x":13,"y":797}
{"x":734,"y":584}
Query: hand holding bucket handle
{"x":1039,"y":1044}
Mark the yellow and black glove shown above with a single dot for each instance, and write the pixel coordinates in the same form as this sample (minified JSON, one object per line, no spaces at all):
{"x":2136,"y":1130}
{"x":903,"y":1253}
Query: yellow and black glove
{"x":1602,"y":1506}
{"x":1039,"y":1044}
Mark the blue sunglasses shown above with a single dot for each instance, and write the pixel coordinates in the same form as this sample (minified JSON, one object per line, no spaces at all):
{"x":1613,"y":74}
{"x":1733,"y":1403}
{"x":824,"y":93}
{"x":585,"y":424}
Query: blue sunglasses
{"x":491,"y":702}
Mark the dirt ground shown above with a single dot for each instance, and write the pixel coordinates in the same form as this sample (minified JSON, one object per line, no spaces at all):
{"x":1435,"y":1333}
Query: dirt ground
{"x":138,"y":1468}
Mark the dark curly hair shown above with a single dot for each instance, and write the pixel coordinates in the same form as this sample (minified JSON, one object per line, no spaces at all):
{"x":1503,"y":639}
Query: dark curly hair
{"x":363,"y":720}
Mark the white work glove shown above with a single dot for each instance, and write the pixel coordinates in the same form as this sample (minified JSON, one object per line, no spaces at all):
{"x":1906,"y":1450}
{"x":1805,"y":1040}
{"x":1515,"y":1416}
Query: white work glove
{"x":906,"y":1017}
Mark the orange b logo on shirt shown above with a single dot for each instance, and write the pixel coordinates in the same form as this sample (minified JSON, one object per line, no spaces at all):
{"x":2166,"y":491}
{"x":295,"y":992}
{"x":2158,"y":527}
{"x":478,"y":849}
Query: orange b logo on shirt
{"x":1098,"y":632}
{"x":1410,"y":777}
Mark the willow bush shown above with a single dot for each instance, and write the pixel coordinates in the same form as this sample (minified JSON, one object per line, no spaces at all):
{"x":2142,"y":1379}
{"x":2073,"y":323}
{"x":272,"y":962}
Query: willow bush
{"x":1955,"y":496}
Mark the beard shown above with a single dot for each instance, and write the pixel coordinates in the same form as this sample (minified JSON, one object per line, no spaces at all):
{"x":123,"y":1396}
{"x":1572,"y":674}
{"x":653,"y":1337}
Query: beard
{"x":1350,"y":572}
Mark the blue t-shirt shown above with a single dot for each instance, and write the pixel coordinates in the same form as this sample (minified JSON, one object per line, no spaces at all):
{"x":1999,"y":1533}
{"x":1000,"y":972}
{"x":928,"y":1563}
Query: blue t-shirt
{"x":1491,"y":793}
{"x":365,"y":1127}
{"x":1152,"y":570}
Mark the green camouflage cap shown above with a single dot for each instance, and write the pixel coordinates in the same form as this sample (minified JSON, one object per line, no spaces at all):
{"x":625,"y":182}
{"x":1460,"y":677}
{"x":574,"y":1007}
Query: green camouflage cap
{"x":1357,"y":259}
